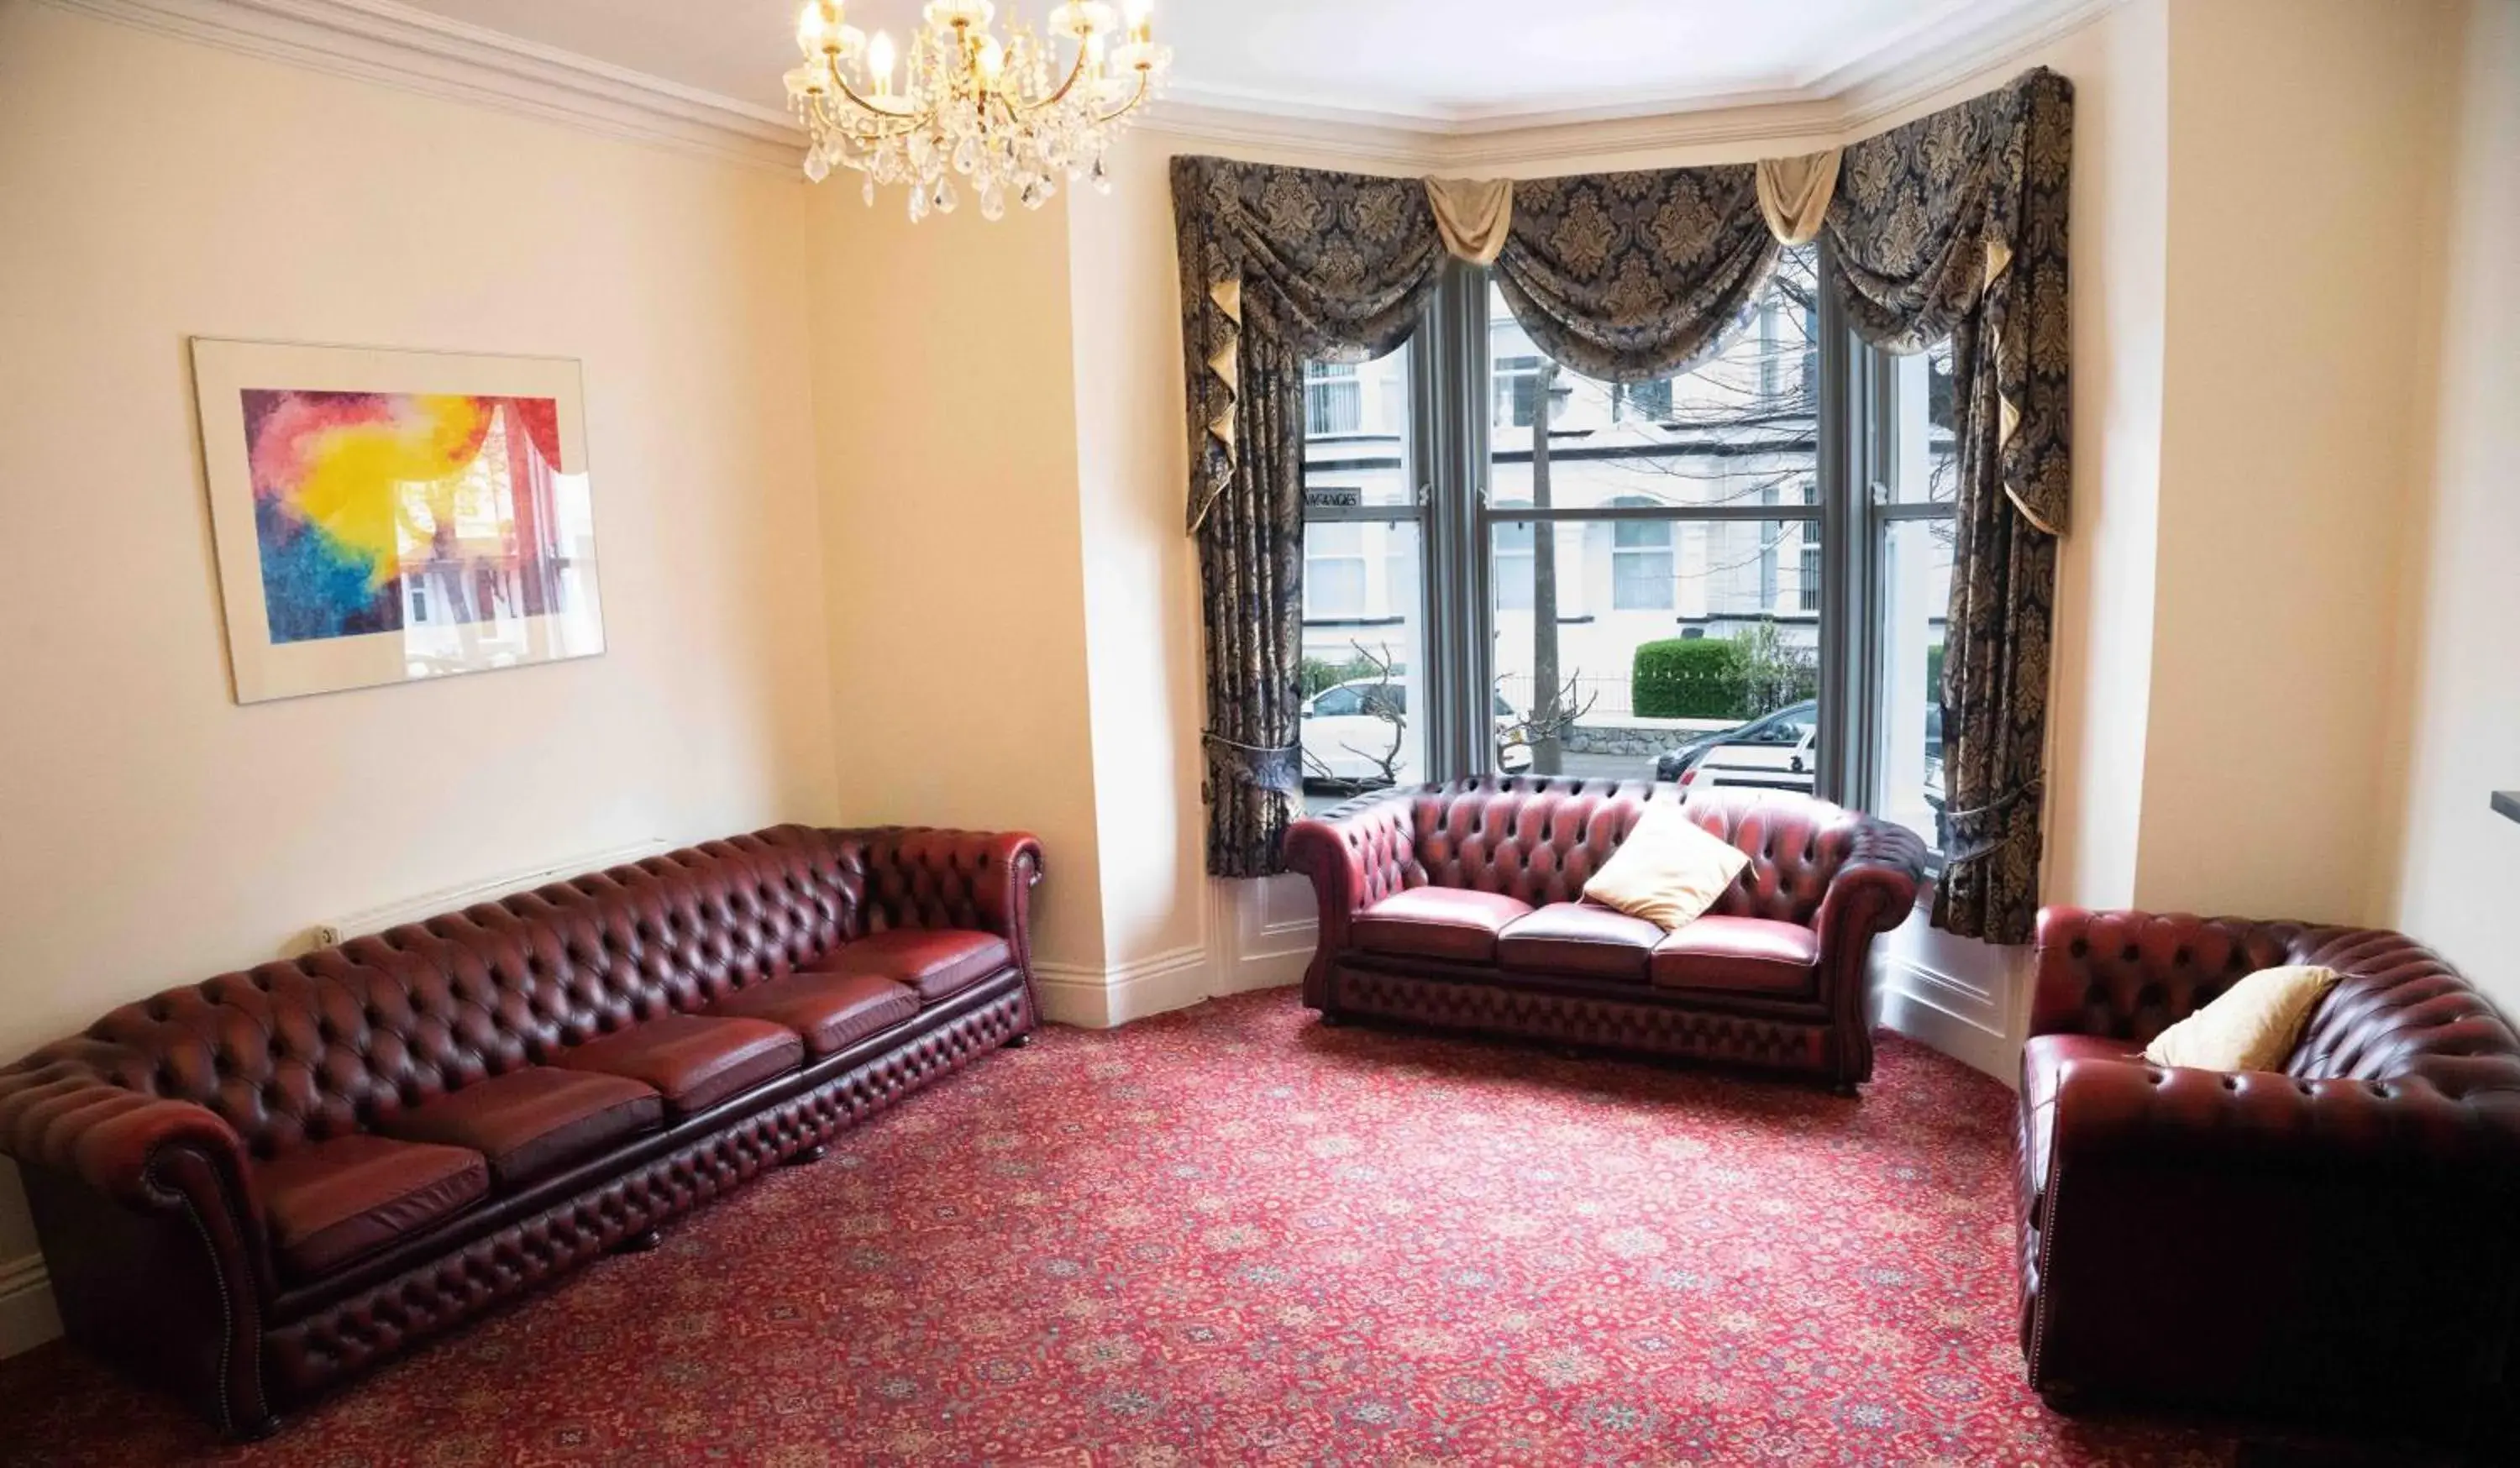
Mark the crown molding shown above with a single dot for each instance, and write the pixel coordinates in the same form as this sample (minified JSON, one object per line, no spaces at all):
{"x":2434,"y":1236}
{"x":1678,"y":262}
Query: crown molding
{"x":396,"y":45}
{"x":1835,"y":106}
{"x":414,"y":50}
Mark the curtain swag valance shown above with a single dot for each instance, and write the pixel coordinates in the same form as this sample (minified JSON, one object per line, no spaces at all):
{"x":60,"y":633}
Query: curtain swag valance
{"x":1952,"y":226}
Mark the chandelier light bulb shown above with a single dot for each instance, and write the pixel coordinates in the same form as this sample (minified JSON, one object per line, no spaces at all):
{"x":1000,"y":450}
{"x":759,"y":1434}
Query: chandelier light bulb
{"x":817,"y":29}
{"x":1015,"y":113}
{"x":879,"y":63}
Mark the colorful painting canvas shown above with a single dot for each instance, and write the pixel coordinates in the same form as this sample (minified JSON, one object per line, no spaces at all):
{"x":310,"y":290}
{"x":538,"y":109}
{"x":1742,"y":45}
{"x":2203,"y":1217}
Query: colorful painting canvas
{"x":390,"y":515}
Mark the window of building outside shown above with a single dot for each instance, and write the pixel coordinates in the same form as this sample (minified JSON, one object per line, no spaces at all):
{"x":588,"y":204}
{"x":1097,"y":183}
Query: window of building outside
{"x":1333,"y":400}
{"x":1633,"y":575}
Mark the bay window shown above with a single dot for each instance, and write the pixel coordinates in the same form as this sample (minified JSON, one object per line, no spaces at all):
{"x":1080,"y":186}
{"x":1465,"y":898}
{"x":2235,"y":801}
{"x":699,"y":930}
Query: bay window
{"x":1735,"y":575}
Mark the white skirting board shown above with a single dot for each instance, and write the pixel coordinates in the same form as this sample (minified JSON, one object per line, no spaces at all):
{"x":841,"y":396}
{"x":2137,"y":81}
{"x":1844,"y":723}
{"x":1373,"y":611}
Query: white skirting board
{"x":1259,"y":936}
{"x":28,"y":1319}
{"x":1954,"y":995}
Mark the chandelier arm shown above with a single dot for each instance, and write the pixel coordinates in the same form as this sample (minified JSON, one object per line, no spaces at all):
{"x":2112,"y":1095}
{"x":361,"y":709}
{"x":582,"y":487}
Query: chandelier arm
{"x":851,"y":94}
{"x":1128,"y":107}
{"x":1074,"y":72}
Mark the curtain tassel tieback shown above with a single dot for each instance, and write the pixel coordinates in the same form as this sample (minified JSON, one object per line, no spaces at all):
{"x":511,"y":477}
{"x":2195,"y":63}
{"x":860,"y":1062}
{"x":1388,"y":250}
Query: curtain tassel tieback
{"x":1972,"y":824}
{"x":1279,"y":768}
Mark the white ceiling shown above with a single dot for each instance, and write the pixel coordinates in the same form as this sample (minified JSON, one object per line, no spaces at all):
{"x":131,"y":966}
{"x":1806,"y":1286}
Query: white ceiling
{"x":1435,"y":64}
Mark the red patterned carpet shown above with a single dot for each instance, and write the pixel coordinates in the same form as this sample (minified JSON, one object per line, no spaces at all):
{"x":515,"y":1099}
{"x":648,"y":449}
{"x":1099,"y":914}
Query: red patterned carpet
{"x":1229,"y":1235}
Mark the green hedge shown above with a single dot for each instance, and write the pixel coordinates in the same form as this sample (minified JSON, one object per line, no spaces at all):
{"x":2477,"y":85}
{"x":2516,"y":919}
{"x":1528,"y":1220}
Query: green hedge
{"x":1689,"y":678}
{"x":1718,"y":678}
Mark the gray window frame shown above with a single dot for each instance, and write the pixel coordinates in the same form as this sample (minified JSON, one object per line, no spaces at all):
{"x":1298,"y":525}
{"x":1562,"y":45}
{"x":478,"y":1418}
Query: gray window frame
{"x":1448,"y":453}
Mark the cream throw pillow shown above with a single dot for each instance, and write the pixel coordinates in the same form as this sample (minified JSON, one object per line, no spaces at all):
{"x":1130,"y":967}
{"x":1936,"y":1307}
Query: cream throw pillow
{"x":2253,"y":1025}
{"x":1668,"y":872}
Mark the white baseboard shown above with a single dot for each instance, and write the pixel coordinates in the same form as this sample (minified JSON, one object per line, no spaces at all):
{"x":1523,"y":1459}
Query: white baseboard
{"x":28,"y":1319}
{"x":1922,"y":1013}
{"x":1173,"y":980}
{"x":1098,"y":998}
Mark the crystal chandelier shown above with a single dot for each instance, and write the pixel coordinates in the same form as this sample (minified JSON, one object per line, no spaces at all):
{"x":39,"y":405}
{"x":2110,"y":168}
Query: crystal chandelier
{"x":1003,"y":115}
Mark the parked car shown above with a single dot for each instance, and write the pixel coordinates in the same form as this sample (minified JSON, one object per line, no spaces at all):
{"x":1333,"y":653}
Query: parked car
{"x":1351,"y":734}
{"x":1778,"y":752}
{"x":1769,"y":735}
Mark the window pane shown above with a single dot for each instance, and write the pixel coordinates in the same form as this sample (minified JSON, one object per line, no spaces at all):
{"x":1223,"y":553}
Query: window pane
{"x":1663,"y":650}
{"x":1362,"y":667}
{"x":1335,"y":583}
{"x":1356,"y":433}
{"x":1915,"y":594}
{"x":1921,"y":463}
{"x":1740,"y":428}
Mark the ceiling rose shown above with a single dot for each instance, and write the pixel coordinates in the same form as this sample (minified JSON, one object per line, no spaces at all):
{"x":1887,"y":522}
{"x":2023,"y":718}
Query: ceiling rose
{"x":1004,"y":116}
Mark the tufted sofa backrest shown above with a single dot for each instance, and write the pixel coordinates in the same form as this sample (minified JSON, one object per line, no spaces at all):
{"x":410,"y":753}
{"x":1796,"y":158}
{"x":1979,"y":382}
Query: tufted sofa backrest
{"x":1541,"y":840}
{"x":318,"y":1046}
{"x":2397,"y":1011}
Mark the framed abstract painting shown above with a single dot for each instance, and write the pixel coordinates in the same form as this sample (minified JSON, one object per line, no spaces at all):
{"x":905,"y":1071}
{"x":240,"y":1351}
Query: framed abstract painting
{"x":384,"y":515}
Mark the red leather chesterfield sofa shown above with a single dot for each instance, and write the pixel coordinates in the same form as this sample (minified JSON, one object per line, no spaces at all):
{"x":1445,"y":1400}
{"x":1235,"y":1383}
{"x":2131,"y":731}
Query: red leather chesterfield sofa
{"x":252,"y":1189}
{"x":2338,"y":1240}
{"x":1460,"y":906}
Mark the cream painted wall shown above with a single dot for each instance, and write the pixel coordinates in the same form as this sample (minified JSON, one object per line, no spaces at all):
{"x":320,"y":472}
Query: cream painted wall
{"x":1142,"y":596}
{"x":2458,"y":868}
{"x":153,"y":832}
{"x":946,"y":428}
{"x":2305,"y":142}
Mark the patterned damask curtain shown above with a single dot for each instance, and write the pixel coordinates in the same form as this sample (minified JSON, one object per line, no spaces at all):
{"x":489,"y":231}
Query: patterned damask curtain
{"x":1955,"y":225}
{"x":1279,"y":266}
{"x":1625,"y":277}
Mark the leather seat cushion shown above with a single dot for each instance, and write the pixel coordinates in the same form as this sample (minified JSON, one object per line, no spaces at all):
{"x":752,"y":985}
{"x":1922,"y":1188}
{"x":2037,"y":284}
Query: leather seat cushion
{"x":532,"y":1121}
{"x":933,"y":962}
{"x":1739,"y":956}
{"x":1579,"y":938}
{"x":694,"y":1061}
{"x":826,"y":1011}
{"x":2043,"y":1069}
{"x":1437,"y":922}
{"x":331,"y":1203}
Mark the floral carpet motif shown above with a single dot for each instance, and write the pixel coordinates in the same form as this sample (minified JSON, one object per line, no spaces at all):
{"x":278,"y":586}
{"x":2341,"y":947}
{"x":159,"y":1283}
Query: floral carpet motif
{"x":1230,"y":1235}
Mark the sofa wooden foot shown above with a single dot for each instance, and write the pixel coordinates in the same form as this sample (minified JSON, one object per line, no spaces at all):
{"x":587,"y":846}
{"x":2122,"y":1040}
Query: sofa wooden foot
{"x":1020,"y":1041}
{"x":1333,"y":1021}
{"x":641,"y":1243}
{"x":1846,"y":1089}
{"x":815,"y":1153}
{"x":256,"y":1432}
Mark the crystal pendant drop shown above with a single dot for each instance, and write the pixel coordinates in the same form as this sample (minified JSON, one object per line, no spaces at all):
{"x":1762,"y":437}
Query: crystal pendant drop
{"x":967,"y":155}
{"x":817,"y":167}
{"x":1036,"y":193}
{"x":868,"y":192}
{"x":993,"y":201}
{"x":1100,"y":176}
{"x":944,"y":197}
{"x":917,"y":205}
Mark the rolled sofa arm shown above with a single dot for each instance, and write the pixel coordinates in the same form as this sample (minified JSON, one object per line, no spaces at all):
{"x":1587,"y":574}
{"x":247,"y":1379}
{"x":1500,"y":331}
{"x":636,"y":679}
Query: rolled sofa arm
{"x":2201,"y":1233}
{"x":61,"y":1109}
{"x":926,"y":877}
{"x":1873,"y":891}
{"x":152,"y":1233}
{"x":1356,"y":855}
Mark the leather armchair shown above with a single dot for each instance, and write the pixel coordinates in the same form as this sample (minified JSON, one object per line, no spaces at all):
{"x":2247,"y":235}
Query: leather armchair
{"x":2333,"y":1239}
{"x":1460,"y":905}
